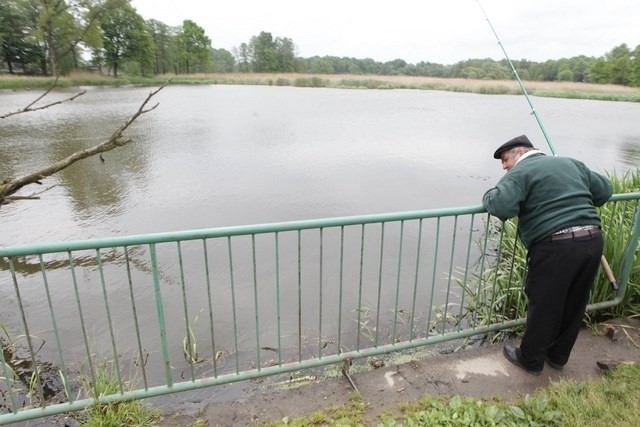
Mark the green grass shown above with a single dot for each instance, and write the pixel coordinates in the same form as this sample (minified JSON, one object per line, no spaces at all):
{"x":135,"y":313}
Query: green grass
{"x":130,"y":413}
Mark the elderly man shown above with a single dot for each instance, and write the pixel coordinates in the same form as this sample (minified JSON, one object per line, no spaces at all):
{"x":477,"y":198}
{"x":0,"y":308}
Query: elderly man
{"x":554,"y":199}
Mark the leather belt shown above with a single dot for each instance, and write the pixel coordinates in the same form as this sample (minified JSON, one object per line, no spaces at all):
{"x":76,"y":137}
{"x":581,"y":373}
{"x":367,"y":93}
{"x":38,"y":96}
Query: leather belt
{"x":572,"y":235}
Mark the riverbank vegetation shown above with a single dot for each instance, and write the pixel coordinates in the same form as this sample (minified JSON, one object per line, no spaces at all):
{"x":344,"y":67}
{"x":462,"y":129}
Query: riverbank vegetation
{"x":564,"y":403}
{"x":496,"y":295}
{"x":110,"y":38}
{"x":572,"y":90}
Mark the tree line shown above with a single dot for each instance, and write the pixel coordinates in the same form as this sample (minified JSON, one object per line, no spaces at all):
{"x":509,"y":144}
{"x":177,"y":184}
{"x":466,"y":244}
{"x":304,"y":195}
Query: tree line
{"x":56,"y":37}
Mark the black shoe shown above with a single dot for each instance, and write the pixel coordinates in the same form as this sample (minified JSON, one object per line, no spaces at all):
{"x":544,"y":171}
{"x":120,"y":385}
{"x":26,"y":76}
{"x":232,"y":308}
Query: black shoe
{"x":554,"y":365}
{"x":510,"y":352}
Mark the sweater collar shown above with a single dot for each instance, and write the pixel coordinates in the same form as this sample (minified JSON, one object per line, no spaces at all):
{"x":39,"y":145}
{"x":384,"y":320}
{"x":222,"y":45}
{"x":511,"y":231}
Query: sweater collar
{"x":529,"y":153}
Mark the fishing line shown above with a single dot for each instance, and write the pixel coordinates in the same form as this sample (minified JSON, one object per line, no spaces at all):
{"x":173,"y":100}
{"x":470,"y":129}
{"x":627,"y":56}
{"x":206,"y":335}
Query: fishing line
{"x":524,"y":91}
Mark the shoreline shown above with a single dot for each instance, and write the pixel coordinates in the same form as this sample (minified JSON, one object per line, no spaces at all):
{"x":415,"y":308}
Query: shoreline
{"x":570,"y":90}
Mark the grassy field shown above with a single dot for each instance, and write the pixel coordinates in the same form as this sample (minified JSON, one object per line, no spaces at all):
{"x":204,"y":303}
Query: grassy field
{"x":499,"y":87}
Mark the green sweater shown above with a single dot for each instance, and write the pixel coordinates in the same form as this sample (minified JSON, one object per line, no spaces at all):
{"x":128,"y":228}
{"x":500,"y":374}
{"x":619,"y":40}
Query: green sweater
{"x":548,"y":194}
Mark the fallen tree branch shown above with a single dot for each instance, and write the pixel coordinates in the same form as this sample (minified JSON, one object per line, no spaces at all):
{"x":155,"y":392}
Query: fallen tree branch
{"x":29,"y":108}
{"x":9,"y":187}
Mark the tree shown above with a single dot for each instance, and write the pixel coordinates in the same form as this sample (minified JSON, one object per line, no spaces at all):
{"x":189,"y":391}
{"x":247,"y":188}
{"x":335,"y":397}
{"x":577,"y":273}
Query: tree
{"x":194,"y":46}
{"x":265,"y":53}
{"x":12,"y":43}
{"x":599,"y":71}
{"x":223,"y":61}
{"x":286,"y":54}
{"x":125,"y":37}
{"x":18,"y":47}
{"x":165,"y":46}
{"x":244,"y":56}
{"x":619,"y":64}
{"x":61,"y":26}
{"x":580,"y":68}
{"x":635,"y":66}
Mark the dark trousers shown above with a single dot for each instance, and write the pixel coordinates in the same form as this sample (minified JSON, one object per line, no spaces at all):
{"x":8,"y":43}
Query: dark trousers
{"x":559,"y":279}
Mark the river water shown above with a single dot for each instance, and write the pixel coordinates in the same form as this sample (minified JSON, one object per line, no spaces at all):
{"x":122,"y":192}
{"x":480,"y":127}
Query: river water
{"x":211,"y":156}
{"x":214,"y":156}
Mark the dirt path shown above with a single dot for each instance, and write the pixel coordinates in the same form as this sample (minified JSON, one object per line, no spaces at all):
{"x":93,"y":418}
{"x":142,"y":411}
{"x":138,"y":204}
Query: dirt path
{"x":474,"y":373}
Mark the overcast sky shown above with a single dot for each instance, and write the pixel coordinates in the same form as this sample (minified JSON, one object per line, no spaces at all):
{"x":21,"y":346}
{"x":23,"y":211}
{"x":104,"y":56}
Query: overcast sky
{"x":440,"y":31}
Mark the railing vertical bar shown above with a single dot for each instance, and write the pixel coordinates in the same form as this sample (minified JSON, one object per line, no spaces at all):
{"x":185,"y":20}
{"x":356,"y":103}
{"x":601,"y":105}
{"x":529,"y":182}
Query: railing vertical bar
{"x":379,"y":295}
{"x":109,"y":321}
{"x":415,"y":282}
{"x":190,"y":351}
{"x":277,"y":244}
{"x":299,"y":296}
{"x":160,"y":312}
{"x":521,"y":294}
{"x":445,"y":315}
{"x":466,"y":273}
{"x":395,"y":311}
{"x":83,"y":325}
{"x":143,"y":363}
{"x":340,"y":283}
{"x":494,"y":285}
{"x":210,"y":306}
{"x":360,"y":275}
{"x":54,"y":323}
{"x":8,"y":373}
{"x":233,"y":306}
{"x":320,"y":295}
{"x":483,"y":258}
{"x":433,"y":274}
{"x":255,"y":300}
{"x":509,"y":282}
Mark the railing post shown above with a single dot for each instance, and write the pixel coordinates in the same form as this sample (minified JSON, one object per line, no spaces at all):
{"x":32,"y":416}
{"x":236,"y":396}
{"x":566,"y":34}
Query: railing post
{"x":160,"y":311}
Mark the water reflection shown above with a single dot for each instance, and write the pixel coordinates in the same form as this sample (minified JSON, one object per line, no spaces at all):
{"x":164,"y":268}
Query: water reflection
{"x":630,"y":151}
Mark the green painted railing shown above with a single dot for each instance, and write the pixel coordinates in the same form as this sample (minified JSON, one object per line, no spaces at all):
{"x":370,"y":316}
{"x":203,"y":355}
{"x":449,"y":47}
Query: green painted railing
{"x":171,"y":312}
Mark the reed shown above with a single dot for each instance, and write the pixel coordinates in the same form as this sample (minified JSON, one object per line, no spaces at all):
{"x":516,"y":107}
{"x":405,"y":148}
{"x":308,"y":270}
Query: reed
{"x":617,"y":220}
{"x":495,"y":292}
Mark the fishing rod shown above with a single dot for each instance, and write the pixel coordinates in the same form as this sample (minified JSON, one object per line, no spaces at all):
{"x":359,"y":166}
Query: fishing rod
{"x":603,"y":261}
{"x":522,"y":88}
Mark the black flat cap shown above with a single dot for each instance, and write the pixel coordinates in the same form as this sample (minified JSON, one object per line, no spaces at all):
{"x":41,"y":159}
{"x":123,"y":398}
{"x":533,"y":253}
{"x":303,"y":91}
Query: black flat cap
{"x":518,"y":141}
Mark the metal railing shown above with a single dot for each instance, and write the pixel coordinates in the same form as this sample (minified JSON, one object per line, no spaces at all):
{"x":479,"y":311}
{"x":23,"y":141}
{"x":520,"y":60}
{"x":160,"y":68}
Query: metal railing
{"x":165,"y":313}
